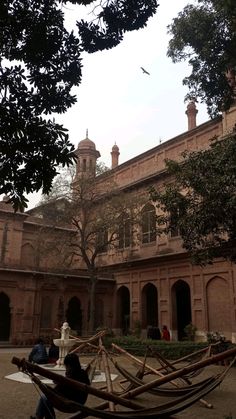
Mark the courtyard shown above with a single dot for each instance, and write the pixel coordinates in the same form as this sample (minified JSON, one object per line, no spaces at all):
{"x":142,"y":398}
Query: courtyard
{"x":18,"y":400}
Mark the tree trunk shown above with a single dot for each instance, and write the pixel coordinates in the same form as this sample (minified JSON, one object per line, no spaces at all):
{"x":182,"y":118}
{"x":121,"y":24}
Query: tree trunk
{"x":91,"y":323}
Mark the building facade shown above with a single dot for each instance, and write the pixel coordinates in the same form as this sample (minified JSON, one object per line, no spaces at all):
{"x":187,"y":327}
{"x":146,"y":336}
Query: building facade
{"x":150,"y":282}
{"x":35,"y":296}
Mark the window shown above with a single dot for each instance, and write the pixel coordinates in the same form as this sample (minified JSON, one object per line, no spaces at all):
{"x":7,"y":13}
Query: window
{"x":174,"y":230}
{"x":102,"y":241}
{"x":27,"y":255}
{"x":148,"y":224}
{"x":124,"y":232}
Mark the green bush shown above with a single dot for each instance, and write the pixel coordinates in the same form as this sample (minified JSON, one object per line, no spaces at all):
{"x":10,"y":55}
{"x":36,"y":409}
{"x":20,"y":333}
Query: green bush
{"x":190,"y":331}
{"x":170,"y":350}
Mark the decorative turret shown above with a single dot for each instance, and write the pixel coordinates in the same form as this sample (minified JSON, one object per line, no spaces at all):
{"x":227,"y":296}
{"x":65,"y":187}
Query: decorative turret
{"x":115,"y":156}
{"x":87,"y":157}
{"x":5,"y":204}
{"x":191,"y":113}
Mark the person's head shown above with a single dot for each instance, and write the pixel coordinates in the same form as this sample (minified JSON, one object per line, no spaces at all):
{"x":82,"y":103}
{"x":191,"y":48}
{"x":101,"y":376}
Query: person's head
{"x":164,"y":327}
{"x":72,"y":364}
{"x":39,"y":341}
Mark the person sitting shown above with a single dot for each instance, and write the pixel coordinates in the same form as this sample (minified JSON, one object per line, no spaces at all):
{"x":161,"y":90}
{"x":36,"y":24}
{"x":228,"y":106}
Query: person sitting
{"x":156,"y":333}
{"x":39,"y":355}
{"x":165,"y":333}
{"x":74,"y":371}
{"x":53,"y":353}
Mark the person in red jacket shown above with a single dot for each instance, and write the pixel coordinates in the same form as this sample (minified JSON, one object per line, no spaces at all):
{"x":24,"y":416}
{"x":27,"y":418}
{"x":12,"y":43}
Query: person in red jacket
{"x":165,"y":333}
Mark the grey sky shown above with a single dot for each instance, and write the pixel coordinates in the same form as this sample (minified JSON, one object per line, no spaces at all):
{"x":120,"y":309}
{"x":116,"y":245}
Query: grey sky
{"x":117,"y":102}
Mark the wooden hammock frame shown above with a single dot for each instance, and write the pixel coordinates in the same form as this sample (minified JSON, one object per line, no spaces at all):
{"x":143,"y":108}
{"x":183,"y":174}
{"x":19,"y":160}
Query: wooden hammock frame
{"x":111,"y":399}
{"x":161,"y":411}
{"x":161,"y":390}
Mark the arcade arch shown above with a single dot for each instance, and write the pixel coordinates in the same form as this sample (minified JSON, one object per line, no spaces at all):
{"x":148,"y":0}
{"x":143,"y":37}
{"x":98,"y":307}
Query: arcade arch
{"x":123,"y":309}
{"x":5,"y":317}
{"x":149,"y":306}
{"x":181,"y":308}
{"x":218,"y":307}
{"x":46,"y":313}
{"x":74,"y":314}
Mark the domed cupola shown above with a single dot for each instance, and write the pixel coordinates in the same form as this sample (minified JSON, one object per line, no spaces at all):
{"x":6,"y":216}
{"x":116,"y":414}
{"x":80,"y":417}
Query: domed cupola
{"x":86,"y":144}
{"x":87,"y":157}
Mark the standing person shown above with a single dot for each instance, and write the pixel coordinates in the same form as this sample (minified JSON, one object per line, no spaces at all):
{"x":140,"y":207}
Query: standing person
{"x":165,"y":333}
{"x":74,"y":371}
{"x":39,"y":355}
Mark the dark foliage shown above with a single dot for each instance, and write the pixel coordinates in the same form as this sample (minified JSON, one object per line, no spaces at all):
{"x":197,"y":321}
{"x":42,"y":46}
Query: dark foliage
{"x":204,"y":34}
{"x":40,"y":62}
{"x":201,"y":201}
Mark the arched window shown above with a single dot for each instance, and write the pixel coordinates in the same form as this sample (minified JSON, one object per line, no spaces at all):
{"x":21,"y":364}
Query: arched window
{"x":148,"y":224}
{"x":27,"y":255}
{"x":124,"y":232}
{"x":174,"y":229}
{"x":102,"y":241}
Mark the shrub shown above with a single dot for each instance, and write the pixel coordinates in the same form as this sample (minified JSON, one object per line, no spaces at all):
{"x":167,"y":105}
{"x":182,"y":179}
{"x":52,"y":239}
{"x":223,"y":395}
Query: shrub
{"x":137,"y":328}
{"x":190,"y":331}
{"x":170,"y":350}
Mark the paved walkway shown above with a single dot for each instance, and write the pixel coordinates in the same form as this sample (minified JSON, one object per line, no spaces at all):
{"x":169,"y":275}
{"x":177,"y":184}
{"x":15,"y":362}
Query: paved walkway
{"x":18,"y":400}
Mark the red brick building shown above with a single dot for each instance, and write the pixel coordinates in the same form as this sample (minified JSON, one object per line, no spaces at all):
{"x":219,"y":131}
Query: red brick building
{"x":151,"y":282}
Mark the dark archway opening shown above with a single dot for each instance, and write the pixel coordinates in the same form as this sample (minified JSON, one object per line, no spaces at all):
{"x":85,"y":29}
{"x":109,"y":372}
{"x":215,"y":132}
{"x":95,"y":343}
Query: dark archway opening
{"x":5,"y":317}
{"x":124,"y":309}
{"x":74,"y":315}
{"x":183,"y":315}
{"x":150,"y":306}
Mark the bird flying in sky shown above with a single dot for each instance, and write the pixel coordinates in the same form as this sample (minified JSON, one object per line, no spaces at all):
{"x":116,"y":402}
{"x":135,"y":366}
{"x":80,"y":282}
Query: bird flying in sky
{"x":145,"y":71}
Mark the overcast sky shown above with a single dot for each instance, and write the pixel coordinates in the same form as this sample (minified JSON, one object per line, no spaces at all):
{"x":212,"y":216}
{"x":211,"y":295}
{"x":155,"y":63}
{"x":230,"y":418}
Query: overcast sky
{"x":116,"y":102}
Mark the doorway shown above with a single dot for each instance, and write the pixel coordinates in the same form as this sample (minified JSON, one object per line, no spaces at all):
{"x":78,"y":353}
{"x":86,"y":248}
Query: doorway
{"x":5,"y":317}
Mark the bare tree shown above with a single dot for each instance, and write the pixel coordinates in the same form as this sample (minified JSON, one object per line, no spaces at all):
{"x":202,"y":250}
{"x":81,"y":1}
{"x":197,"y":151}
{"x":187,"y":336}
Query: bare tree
{"x":91,"y":219}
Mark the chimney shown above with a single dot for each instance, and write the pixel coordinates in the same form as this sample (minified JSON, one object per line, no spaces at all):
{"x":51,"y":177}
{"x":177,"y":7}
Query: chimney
{"x":191,"y":113}
{"x":115,"y":156}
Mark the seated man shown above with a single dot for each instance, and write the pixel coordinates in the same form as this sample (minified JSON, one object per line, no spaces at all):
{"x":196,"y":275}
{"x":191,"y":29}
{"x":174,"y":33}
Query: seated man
{"x":39,"y":355}
{"x":45,"y":409}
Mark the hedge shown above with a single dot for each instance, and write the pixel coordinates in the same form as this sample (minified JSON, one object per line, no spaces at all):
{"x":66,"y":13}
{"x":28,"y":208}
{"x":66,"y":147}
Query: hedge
{"x":169,"y":350}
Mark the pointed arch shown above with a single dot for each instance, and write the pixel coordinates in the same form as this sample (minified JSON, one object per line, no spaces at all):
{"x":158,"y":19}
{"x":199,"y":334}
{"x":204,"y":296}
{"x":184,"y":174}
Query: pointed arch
{"x":123,"y":312}
{"x":46,"y":313}
{"x":149,"y":306}
{"x":5,"y":317}
{"x":74,"y":314}
{"x":27,"y":255}
{"x":181,"y":307}
{"x":218,"y":307}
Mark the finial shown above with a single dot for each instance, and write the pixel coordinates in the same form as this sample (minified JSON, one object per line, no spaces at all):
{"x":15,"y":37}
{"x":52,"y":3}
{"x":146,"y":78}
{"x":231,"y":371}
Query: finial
{"x":87,"y":134}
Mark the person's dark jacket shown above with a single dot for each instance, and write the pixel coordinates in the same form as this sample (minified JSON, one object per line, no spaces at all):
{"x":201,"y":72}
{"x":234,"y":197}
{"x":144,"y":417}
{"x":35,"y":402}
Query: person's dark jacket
{"x":38,"y":355}
{"x":76,"y":395}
